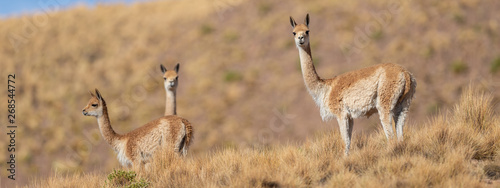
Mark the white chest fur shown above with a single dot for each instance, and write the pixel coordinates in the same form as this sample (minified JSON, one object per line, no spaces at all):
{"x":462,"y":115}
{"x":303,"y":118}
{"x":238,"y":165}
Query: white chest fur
{"x":321,"y":99}
{"x":122,"y":156}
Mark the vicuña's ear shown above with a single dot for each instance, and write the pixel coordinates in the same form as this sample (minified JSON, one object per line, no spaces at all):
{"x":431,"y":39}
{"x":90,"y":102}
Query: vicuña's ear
{"x":292,"y":21}
{"x":98,"y":94}
{"x":177,"y":68}
{"x":91,"y":94}
{"x":163,"y":69}
{"x":307,"y":20}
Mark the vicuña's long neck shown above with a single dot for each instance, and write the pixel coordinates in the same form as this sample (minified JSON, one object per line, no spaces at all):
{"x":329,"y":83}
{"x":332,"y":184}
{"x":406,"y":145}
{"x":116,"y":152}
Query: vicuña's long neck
{"x":311,"y":78}
{"x":170,"y":104}
{"x":106,"y":130}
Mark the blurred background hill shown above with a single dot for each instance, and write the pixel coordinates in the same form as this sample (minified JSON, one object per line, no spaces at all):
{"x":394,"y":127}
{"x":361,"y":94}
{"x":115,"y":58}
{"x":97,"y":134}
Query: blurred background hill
{"x":240,"y":80}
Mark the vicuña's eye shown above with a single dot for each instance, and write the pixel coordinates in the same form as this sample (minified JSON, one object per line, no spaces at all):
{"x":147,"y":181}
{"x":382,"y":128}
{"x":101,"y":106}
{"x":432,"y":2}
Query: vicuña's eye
{"x":307,"y":32}
{"x":164,"y":78}
{"x":294,"y":33}
{"x":94,"y":105}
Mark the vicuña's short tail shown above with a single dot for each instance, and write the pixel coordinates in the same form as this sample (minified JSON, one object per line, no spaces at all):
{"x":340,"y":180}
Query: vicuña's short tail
{"x":410,"y":86}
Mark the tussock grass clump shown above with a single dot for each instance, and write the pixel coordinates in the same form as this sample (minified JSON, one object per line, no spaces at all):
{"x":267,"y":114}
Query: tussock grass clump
{"x":475,"y":109}
{"x":475,"y":114}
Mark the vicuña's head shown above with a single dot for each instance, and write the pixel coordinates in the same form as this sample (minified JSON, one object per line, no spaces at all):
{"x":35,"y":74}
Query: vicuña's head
{"x":301,"y":32}
{"x":95,"y":105}
{"x":170,"y":77}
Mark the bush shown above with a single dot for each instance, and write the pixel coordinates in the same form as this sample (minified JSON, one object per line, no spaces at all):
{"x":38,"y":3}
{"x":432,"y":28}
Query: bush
{"x":206,"y":29}
{"x":125,"y":179}
{"x":495,"y":65}
{"x":459,"y":67}
{"x":232,"y":76}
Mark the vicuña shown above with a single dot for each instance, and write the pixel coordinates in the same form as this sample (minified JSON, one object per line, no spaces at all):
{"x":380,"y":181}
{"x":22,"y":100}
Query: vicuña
{"x":385,"y":88}
{"x":137,"y":148}
{"x":170,"y":78}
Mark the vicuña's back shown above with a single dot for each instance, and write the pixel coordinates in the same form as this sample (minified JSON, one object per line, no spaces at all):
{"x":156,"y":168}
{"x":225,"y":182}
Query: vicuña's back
{"x":362,"y":92}
{"x":385,"y":88}
{"x":168,"y":133}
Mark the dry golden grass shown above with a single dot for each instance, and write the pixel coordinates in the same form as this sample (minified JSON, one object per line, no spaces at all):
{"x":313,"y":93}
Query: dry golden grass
{"x":449,"y":151}
{"x":240,"y":85}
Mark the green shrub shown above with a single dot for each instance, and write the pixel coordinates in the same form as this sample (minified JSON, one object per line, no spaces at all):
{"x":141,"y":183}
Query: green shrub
{"x":206,"y":29}
{"x":377,"y":35}
{"x":121,"y":178}
{"x":232,"y":76}
{"x":459,"y":67}
{"x":495,"y":65}
{"x":459,"y":18}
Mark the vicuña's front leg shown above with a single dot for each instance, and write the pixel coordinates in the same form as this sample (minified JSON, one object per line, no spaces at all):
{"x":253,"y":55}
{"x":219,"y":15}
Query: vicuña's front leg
{"x":346,"y":125}
{"x":137,"y":166}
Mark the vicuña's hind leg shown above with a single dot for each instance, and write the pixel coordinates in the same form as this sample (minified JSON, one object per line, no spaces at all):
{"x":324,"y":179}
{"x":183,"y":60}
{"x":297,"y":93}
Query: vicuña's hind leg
{"x":184,"y":147}
{"x":399,"y":119}
{"x":179,"y":142}
{"x":401,"y":108}
{"x":346,"y":125}
{"x":386,"y":120}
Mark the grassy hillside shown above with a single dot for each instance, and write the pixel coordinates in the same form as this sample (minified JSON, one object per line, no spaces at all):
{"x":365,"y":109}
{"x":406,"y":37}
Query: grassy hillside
{"x":240,"y":80}
{"x":458,"y":148}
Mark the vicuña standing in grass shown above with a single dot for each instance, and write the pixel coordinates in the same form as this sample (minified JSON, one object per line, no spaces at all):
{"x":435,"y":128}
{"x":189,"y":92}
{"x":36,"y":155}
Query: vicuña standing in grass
{"x":170,"y":78}
{"x":136,"y":148}
{"x":385,"y":88}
